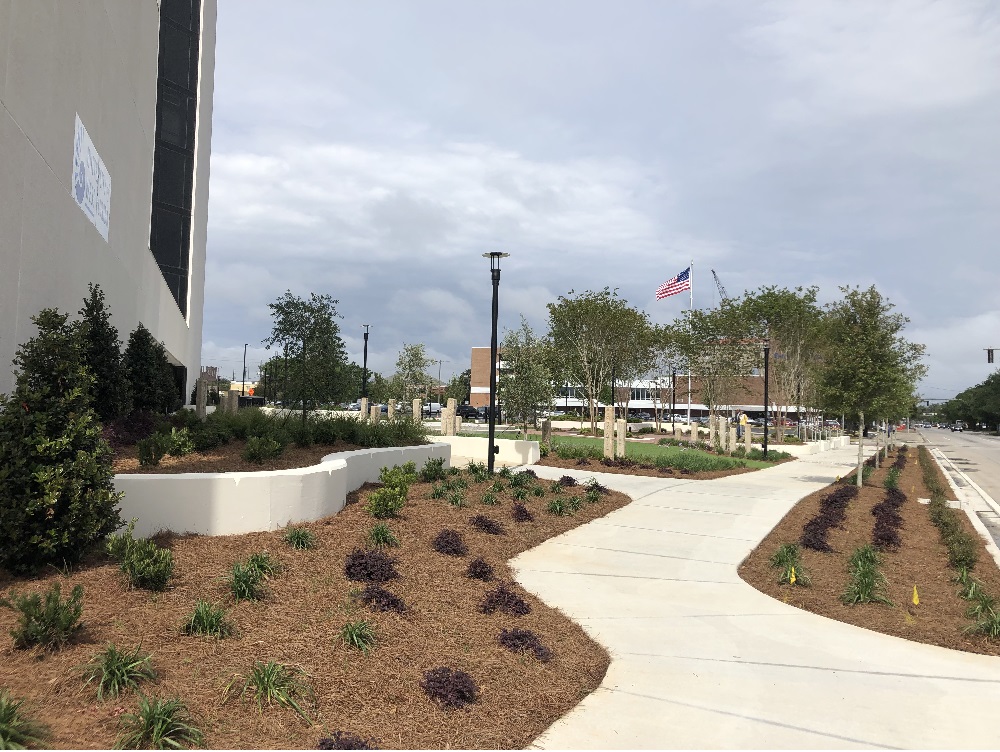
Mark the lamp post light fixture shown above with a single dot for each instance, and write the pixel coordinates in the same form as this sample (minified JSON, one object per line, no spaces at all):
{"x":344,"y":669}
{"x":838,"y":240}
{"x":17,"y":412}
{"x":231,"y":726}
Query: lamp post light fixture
{"x":364,"y":368}
{"x":243,"y":384}
{"x":492,"y":449}
{"x":767,"y":361}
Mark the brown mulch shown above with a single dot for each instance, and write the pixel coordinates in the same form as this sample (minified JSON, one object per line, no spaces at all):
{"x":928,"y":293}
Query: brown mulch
{"x":375,"y":696}
{"x":596,"y":466}
{"x":227,"y":459}
{"x":921,"y":560}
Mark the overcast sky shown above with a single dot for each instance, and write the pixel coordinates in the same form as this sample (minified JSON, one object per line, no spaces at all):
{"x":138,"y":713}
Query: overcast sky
{"x":374,"y":151}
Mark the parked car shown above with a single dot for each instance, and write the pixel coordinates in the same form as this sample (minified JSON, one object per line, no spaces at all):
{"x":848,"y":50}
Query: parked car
{"x":643,"y":416}
{"x":467,"y":411}
{"x":431,"y":410}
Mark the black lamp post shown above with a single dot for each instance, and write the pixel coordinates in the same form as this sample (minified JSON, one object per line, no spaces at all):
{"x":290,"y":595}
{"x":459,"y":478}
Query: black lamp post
{"x":243,"y":383}
{"x":364,"y":368}
{"x":767,"y":362}
{"x":493,"y":449}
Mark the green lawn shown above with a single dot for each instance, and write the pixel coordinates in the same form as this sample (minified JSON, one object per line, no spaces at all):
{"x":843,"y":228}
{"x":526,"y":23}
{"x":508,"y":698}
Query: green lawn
{"x":639,"y":451}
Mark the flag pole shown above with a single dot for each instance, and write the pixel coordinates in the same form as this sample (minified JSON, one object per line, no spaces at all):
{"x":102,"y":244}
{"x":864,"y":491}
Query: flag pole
{"x":691,"y":291}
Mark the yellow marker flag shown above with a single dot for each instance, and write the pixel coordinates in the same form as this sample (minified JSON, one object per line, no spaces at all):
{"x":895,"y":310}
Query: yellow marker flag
{"x":916,"y":598}
{"x":791,"y":577}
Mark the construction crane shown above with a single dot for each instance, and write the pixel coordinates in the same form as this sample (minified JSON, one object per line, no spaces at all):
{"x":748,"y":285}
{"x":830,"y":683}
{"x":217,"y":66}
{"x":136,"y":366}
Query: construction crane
{"x":722,"y":290}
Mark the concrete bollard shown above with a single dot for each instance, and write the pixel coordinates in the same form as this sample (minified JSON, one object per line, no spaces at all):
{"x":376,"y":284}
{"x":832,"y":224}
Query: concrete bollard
{"x":200,"y":398}
{"x":678,"y":433}
{"x":621,"y":427}
{"x":748,"y":438}
{"x":391,"y":410}
{"x":458,"y":425}
{"x":733,"y":440}
{"x":452,"y":404}
{"x":713,"y":437}
{"x":375,"y":413}
{"x":609,"y":432}
{"x":418,"y":409}
{"x":364,"y":408}
{"x":447,"y":421}
{"x":233,"y":402}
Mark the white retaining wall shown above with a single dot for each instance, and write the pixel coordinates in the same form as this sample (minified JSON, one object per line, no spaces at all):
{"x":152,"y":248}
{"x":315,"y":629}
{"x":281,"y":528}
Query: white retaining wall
{"x":812,"y":447}
{"x":235,"y":503}
{"x":512,"y":451}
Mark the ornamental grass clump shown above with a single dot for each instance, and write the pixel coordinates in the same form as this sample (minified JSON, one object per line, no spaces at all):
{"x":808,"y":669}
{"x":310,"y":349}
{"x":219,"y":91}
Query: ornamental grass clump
{"x":378,"y":598}
{"x":264,"y":564}
{"x":449,"y":687}
{"x":457,"y":498}
{"x":346,"y":740}
{"x":479,"y":569}
{"x":17,"y":729}
{"x":274,"y":683}
{"x":520,"y":513}
{"x":370,"y":566}
{"x":504,"y":600}
{"x":484,"y":524}
{"x":49,"y":623}
{"x":489,"y":499}
{"x":359,"y":635}
{"x":115,"y":671}
{"x":524,"y":640}
{"x":144,"y":564}
{"x":159,"y":724}
{"x":790,"y":570}
{"x":208,"y":619}
{"x":866,"y":582}
{"x":381,"y":536}
{"x":300,"y":538}
{"x":450,"y":543}
{"x":246,"y":583}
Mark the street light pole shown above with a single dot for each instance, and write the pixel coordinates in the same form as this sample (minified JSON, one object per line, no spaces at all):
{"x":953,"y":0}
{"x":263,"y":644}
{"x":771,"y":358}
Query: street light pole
{"x":364,"y":368}
{"x":243,"y":383}
{"x":492,"y":448}
{"x":767,"y":361}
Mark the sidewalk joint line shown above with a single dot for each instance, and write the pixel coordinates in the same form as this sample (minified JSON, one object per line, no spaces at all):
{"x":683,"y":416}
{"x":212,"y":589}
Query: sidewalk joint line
{"x":645,"y":553}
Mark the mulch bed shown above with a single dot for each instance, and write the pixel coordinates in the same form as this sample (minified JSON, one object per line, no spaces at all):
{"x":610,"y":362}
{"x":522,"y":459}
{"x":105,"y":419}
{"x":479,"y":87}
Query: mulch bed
{"x":226,"y":459}
{"x":921,"y":560}
{"x":649,"y":470}
{"x":375,"y":696}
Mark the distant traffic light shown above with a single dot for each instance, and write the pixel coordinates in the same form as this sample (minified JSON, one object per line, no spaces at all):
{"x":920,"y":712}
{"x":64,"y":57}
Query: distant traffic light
{"x":989,"y":355}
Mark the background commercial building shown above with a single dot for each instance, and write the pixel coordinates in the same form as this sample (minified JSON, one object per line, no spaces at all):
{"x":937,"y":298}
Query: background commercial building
{"x":105,"y":137}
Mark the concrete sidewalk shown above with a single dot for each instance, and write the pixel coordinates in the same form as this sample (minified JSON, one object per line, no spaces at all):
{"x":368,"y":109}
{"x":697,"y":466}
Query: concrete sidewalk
{"x":702,"y":660}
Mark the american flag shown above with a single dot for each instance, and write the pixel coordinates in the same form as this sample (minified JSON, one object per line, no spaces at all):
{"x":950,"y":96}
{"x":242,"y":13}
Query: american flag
{"x":675,"y":285}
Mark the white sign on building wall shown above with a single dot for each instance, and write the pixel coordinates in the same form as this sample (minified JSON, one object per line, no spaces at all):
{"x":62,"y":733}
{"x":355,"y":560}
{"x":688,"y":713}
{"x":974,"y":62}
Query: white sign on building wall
{"x":91,"y":187}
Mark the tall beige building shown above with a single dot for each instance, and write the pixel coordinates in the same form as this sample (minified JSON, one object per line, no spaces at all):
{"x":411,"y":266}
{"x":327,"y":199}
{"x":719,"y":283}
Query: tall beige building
{"x":105,"y":138}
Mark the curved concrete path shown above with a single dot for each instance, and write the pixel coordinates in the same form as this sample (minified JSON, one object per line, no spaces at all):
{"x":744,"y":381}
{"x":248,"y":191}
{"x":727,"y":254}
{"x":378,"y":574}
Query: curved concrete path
{"x":702,"y":660}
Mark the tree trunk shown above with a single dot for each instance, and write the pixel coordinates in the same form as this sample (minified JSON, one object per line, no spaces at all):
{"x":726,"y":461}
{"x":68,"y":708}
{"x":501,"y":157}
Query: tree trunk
{"x":861,"y":446}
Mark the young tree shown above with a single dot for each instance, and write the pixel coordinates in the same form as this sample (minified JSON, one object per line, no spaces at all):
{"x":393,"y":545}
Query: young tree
{"x":411,"y":378}
{"x":150,"y":375}
{"x":591,"y":332}
{"x":307,"y":332}
{"x":460,"y":387}
{"x":102,"y":356}
{"x":868,"y":368}
{"x":525,"y":386}
{"x":790,"y":320}
{"x":56,"y":491}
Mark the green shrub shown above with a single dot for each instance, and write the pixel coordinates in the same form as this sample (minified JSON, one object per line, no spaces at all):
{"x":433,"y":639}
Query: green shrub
{"x":264,"y":564}
{"x":114,"y":671}
{"x":151,"y":450}
{"x":489,"y":498}
{"x":592,"y":495}
{"x":207,"y":619}
{"x":181,"y":442}
{"x":144,"y":564}
{"x":519,"y":494}
{"x":438,"y":491}
{"x":457,"y":498}
{"x":478,"y":471}
{"x":892,"y":478}
{"x":300,"y":538}
{"x":246,"y":583}
{"x":381,"y":536}
{"x":398,"y":476}
{"x":50,"y":623}
{"x":17,"y":730}
{"x":274,"y":683}
{"x":386,"y":502}
{"x":359,"y":635}
{"x":559,"y":506}
{"x":981,"y":606}
{"x":498,"y":486}
{"x":159,"y":724}
{"x":57,"y":497}
{"x":208,"y":436}
{"x":432,"y":470}
{"x":259,"y":449}
{"x":537,"y":491}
